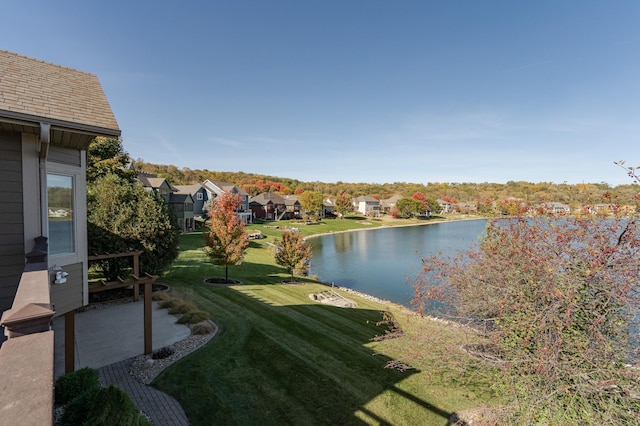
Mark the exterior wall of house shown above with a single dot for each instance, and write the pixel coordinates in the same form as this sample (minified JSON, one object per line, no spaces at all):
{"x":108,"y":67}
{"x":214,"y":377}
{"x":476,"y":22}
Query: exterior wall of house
{"x":199,"y":200}
{"x":69,"y":157}
{"x":184,"y":214}
{"x":12,"y":248}
{"x":262,"y":211}
{"x":68,"y":296}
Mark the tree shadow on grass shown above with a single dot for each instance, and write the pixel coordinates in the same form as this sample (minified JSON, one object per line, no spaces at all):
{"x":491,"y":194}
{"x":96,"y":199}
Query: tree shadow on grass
{"x":286,"y":360}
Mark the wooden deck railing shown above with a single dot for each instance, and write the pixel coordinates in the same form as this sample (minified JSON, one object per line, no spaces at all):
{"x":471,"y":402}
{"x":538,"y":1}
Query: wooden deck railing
{"x":26,"y":358}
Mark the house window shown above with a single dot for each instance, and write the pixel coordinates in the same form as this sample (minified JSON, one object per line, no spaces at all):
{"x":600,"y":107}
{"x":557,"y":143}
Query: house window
{"x":60,"y":206}
{"x":199,"y":196}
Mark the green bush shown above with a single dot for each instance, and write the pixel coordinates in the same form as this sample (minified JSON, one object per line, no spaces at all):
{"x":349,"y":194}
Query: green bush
{"x":77,"y":411}
{"x":193,"y":317}
{"x":103,"y":407}
{"x":71,"y":385}
{"x":123,"y":216}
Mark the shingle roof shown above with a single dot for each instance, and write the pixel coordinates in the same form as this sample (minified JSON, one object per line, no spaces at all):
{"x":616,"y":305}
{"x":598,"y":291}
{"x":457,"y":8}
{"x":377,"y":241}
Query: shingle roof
{"x":265,"y":197}
{"x":188,"y":189}
{"x":31,"y":88}
{"x":226,"y":187}
{"x":151,"y":181}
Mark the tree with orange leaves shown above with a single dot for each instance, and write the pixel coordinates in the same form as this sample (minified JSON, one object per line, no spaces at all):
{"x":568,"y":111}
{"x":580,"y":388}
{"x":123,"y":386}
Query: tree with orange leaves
{"x":225,"y":237}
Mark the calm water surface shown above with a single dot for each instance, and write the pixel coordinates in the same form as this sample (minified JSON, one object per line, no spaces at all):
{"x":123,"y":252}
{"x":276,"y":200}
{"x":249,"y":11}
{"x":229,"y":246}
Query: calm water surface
{"x":379,"y":262}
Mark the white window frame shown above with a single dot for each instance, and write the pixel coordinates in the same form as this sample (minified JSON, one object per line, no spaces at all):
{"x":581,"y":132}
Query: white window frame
{"x":79,"y":211}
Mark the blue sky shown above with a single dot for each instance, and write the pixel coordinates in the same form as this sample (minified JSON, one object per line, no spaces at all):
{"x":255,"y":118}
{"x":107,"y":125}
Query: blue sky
{"x":359,"y":90}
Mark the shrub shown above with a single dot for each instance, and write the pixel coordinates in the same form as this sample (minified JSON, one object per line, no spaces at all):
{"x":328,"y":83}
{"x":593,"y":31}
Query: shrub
{"x":77,"y":411}
{"x":201,"y":328}
{"x":162,"y":353}
{"x":179,"y":307}
{"x":160,"y":296}
{"x":102,"y":407}
{"x":193,"y":317}
{"x":71,"y":385}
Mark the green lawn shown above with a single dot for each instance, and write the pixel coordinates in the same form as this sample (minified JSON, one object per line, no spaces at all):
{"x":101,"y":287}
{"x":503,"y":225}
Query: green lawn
{"x":283,"y":359}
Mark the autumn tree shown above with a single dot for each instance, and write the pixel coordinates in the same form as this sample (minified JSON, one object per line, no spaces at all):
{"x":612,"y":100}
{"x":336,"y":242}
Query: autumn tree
{"x":225,"y":236}
{"x":560,"y":299}
{"x":420,"y":196}
{"x":311,"y":202}
{"x":343,"y":204}
{"x":291,"y":252}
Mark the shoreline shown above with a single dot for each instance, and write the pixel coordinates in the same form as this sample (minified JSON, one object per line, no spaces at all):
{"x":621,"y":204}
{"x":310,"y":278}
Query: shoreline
{"x":383,"y":226}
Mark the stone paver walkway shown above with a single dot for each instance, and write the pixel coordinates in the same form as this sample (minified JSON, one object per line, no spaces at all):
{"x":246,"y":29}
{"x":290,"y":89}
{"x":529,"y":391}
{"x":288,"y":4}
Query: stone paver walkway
{"x":162,"y":409}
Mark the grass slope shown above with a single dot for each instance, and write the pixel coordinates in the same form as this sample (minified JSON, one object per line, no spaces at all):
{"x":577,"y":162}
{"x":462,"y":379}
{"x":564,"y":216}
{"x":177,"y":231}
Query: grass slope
{"x":284,"y":359}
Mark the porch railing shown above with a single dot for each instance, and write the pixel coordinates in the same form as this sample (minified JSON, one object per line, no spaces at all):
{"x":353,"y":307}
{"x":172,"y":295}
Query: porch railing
{"x":26,"y":358}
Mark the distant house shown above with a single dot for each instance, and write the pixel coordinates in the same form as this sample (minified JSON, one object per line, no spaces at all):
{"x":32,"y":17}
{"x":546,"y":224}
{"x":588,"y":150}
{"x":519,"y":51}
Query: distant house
{"x":465,"y":207}
{"x":267,"y":206}
{"x":216,"y":188}
{"x":200,"y":197}
{"x":157,"y":185}
{"x":555,"y":208}
{"x":180,"y":201}
{"x":292,"y":206}
{"x":366,"y":205}
{"x":49,"y":115}
{"x":445,"y":206}
{"x":389,"y":203}
{"x":329,"y":207}
{"x":182,"y":206}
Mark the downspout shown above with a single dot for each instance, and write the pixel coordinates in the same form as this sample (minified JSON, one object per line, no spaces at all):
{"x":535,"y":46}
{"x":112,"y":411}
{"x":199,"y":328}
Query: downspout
{"x":45,"y":140}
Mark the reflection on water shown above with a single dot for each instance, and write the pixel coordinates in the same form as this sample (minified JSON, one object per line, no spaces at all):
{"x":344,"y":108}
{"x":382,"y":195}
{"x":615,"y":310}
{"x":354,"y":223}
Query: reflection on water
{"x":380,"y":262}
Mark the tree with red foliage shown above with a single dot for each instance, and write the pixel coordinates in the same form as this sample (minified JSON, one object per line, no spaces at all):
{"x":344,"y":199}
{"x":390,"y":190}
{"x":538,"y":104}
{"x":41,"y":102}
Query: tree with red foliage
{"x":422,"y":198}
{"x":560,"y":299}
{"x":225,"y":237}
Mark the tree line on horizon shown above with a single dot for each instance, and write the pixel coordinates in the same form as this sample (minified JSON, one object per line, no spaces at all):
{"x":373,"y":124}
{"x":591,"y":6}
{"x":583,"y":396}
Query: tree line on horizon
{"x":462,"y":192}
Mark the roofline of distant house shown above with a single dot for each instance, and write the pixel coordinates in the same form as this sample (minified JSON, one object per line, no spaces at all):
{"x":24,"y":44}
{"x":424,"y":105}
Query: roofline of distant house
{"x":33,"y":120}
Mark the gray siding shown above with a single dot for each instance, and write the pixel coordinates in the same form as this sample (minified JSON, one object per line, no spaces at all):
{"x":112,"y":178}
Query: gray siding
{"x":68,"y":296}
{"x":64,"y":156}
{"x":12,"y":248}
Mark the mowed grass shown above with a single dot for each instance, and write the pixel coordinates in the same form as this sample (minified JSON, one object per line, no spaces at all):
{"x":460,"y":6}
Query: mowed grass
{"x":281,"y":358}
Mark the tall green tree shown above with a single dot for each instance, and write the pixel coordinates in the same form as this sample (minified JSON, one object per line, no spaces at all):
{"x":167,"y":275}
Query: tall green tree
{"x":433,"y":206}
{"x":123,"y":216}
{"x":107,"y":156}
{"x":225,"y":238}
{"x":408,"y":207}
{"x":291,"y":252}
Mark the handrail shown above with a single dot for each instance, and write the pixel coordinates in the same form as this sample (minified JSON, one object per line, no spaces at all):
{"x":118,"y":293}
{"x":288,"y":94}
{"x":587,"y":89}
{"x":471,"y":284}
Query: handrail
{"x":27,"y":357}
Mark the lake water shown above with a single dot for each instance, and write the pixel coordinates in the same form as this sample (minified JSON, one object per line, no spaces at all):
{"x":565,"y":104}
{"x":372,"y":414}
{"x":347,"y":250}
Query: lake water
{"x":379,"y":262}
